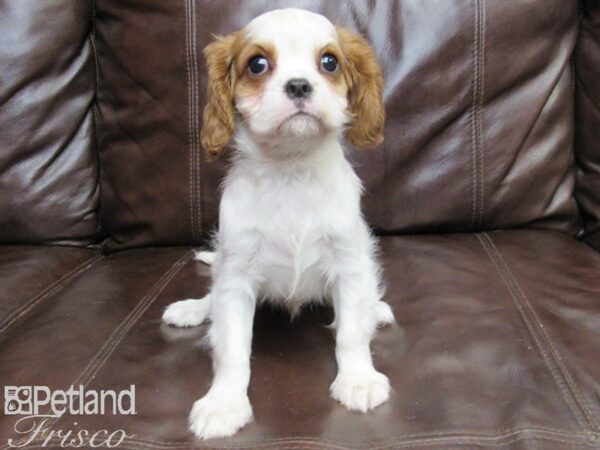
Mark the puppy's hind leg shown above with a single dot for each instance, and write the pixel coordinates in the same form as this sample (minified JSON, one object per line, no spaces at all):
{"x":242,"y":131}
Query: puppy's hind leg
{"x":384,"y":314}
{"x":206,"y":257}
{"x":187,"y":313}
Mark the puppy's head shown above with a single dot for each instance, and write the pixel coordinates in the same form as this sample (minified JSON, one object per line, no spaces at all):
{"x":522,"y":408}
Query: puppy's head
{"x":291,"y":74}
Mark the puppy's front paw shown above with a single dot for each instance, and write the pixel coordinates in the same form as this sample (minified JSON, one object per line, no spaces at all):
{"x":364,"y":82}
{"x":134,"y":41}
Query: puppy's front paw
{"x":216,"y":416}
{"x":187,"y":313}
{"x":361,"y":392}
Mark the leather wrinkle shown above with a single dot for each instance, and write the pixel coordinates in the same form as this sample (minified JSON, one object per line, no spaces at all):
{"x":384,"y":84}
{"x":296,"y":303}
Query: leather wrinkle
{"x":92,"y":37}
{"x":49,"y":291}
{"x":138,"y":83}
{"x":560,"y":373}
{"x":64,"y":143}
{"x":108,"y":97}
{"x":539,"y":112}
{"x":583,"y":87}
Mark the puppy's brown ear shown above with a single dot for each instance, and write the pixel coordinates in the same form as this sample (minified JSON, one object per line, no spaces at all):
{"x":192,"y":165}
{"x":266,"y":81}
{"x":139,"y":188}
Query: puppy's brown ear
{"x":218,"y":122}
{"x":365,"y":90}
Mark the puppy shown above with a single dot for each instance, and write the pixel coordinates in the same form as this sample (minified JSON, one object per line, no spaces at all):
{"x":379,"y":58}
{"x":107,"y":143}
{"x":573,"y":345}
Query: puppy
{"x":288,"y":87}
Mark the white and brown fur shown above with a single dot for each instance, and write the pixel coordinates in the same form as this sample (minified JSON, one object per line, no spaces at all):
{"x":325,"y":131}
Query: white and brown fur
{"x":290,"y":226}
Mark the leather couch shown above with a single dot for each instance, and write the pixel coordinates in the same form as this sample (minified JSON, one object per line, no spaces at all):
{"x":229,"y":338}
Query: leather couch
{"x":486,"y":195}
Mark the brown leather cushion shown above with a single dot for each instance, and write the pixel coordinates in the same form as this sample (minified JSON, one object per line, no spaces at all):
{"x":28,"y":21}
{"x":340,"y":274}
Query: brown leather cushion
{"x":48,"y":168}
{"x":478,"y":96}
{"x":587,"y":116}
{"x":496,"y":347}
{"x":31,"y":275}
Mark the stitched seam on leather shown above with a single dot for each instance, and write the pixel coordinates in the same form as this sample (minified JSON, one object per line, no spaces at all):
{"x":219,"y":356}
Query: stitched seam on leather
{"x":198,"y":168}
{"x":408,"y":439}
{"x":504,"y":438}
{"x":534,"y":333}
{"x":396,"y":445}
{"x":419,"y":437}
{"x":542,"y":430}
{"x":190,"y":139}
{"x":100,"y":358}
{"x":472,"y":117}
{"x":194,"y":118}
{"x":570,"y":381}
{"x":191,"y":121}
{"x":481,"y":145}
{"x":47,"y":292}
{"x":554,"y":351}
{"x":472,"y":124}
{"x":301,"y":442}
{"x":478,"y":56}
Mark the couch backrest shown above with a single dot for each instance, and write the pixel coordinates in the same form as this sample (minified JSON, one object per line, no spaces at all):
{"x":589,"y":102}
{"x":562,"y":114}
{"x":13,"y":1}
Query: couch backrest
{"x":479,"y":98}
{"x":48,"y":166}
{"x":587,"y":119}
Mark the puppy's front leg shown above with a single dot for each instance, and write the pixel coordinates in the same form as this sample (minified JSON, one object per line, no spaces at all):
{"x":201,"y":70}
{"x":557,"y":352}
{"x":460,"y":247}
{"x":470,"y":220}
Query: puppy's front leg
{"x":358,"y":386}
{"x":226,"y":407}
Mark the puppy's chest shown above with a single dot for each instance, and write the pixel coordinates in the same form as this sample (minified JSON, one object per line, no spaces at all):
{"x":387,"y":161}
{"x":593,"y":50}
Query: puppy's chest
{"x":295,"y":263}
{"x":295,"y":233}
{"x":296,"y":249}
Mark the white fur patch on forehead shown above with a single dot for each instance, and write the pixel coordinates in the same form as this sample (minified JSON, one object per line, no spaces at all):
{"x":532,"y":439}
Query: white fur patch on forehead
{"x":291,"y":21}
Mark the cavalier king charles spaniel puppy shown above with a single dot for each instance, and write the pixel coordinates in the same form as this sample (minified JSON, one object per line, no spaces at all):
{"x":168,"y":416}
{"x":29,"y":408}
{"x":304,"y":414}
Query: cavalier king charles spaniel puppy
{"x":287,"y":89}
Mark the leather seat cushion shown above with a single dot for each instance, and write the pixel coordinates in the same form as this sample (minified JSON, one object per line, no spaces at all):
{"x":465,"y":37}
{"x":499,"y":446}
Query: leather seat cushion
{"x":31,"y":275}
{"x":496,"y":346}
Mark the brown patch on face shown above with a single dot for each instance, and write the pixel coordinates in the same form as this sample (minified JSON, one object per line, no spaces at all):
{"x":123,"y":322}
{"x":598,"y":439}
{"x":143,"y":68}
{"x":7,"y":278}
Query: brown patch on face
{"x":362,"y":75}
{"x":218,"y":121}
{"x":337,"y":78}
{"x":249,"y":85}
{"x":227,"y":59}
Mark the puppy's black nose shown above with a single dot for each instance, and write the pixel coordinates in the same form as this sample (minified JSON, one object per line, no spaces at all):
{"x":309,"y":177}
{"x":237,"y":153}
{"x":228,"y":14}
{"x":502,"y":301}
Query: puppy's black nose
{"x":298,"y":88}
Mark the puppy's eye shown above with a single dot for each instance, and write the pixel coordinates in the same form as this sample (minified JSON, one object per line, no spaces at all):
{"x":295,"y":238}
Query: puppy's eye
{"x":329,"y":63}
{"x":258,"y":65}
